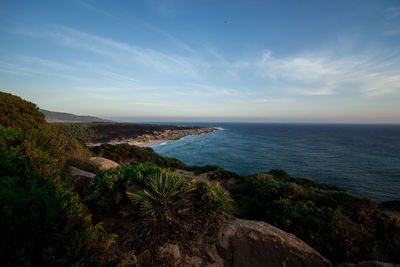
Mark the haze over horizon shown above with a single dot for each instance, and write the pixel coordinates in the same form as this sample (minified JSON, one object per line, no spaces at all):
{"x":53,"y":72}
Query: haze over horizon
{"x":272,"y":61}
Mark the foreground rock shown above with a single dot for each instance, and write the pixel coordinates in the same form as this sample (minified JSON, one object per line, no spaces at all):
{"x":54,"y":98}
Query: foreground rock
{"x":368,"y":264}
{"x":103,"y":163}
{"x":253,"y":243}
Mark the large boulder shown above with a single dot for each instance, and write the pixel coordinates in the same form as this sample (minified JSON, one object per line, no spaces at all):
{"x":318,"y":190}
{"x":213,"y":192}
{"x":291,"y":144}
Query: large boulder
{"x":103,"y":163}
{"x":254,"y":243}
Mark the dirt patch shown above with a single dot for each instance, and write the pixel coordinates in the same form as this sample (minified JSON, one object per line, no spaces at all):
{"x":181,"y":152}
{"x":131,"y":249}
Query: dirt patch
{"x":203,"y":177}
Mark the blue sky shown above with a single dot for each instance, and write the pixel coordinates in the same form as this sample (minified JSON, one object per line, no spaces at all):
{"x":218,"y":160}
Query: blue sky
{"x":317,"y":61}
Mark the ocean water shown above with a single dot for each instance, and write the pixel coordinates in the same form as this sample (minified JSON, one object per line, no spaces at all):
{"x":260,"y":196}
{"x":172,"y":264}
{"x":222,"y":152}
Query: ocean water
{"x":363,"y":159}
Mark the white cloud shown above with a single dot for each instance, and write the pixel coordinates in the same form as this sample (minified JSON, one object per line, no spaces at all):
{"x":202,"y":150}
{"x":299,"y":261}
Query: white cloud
{"x":372,"y":74}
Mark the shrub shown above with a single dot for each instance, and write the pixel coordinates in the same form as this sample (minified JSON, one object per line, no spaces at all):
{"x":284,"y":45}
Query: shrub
{"x":43,"y":222}
{"x":106,"y":191}
{"x":17,"y":113}
{"x":160,"y":196}
{"x":341,"y":226}
{"x":171,"y":206}
{"x":219,"y":200}
{"x":127,"y":154}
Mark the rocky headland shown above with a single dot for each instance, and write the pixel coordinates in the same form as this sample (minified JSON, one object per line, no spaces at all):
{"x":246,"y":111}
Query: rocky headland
{"x":152,"y":137}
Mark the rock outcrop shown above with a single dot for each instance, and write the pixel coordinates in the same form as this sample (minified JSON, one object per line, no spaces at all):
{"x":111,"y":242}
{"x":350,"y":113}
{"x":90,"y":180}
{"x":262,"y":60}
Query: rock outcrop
{"x":103,"y":163}
{"x":254,"y":243}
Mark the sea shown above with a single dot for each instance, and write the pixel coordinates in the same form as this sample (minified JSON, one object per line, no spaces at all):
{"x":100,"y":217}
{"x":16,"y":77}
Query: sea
{"x":363,"y":159}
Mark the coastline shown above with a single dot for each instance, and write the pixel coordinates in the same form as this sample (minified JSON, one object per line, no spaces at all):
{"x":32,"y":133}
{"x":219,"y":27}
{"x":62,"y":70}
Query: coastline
{"x":156,"y":137}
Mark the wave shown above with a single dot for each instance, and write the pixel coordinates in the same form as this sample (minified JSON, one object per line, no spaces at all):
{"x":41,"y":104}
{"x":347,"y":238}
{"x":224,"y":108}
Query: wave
{"x":159,"y":144}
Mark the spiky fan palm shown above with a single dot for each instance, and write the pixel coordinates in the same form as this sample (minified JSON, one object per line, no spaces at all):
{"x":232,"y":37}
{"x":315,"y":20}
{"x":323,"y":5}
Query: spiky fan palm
{"x":159,"y":194}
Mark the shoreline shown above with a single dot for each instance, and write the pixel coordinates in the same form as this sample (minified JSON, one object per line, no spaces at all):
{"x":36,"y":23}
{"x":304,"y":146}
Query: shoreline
{"x":156,"y":138}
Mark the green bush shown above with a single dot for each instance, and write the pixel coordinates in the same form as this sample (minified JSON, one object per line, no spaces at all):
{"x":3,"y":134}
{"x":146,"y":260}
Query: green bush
{"x":127,"y":154}
{"x":17,"y":113}
{"x":341,"y":226}
{"x":106,"y":191}
{"x":216,"y":197}
{"x":160,"y":196}
{"x":174,"y":205}
{"x":43,"y":222}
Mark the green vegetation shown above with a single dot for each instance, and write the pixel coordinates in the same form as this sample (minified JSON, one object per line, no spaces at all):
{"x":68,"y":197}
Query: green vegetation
{"x":80,"y":131}
{"x":18,"y":114}
{"x":43,"y":222}
{"x":174,"y":205}
{"x":160,"y":195}
{"x":126,"y":154}
{"x":341,"y":226}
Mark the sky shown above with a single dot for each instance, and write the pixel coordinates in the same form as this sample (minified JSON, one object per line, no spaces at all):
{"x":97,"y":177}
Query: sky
{"x":200,"y":60}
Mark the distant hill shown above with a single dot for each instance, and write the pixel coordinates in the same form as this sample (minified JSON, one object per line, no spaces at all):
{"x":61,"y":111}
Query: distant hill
{"x":52,"y":116}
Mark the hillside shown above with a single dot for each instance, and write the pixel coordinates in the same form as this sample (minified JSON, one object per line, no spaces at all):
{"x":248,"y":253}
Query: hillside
{"x":52,"y":116}
{"x":59,"y":207}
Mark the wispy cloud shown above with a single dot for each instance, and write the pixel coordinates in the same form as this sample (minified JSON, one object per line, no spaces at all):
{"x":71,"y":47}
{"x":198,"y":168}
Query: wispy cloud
{"x":373,"y":73}
{"x":33,"y":71}
{"x":120,"y":51}
{"x":177,"y":42}
{"x":392,"y":12}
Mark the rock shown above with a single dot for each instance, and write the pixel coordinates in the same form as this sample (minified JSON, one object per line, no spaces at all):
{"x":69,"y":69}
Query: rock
{"x":103,"y":163}
{"x":81,"y":179}
{"x":214,"y":259}
{"x":73,"y":171}
{"x":368,"y":264}
{"x":196,"y":261}
{"x":171,"y":253}
{"x":253,"y":243}
{"x":144,"y":256}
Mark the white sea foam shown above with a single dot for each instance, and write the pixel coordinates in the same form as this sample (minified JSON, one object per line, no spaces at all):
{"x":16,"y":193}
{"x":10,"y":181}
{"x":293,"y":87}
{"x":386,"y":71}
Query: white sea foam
{"x":159,"y":144}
